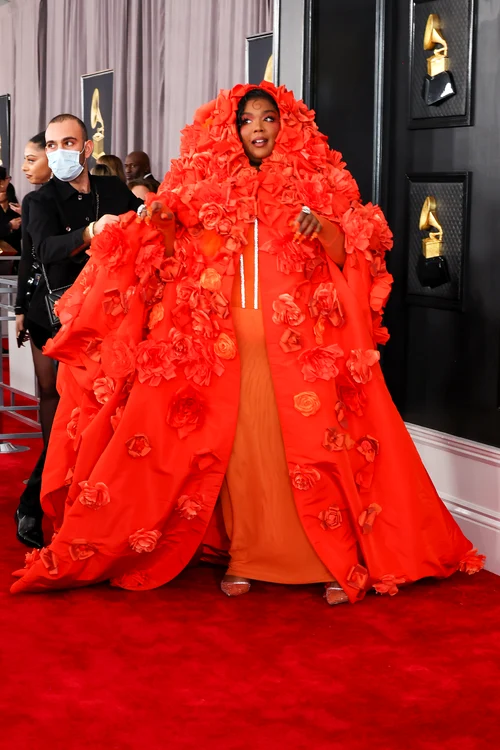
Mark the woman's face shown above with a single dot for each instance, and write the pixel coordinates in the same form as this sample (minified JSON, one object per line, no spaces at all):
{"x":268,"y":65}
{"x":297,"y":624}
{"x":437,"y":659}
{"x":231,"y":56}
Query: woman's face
{"x":260,"y":124}
{"x":4,"y":184}
{"x":35,"y":165}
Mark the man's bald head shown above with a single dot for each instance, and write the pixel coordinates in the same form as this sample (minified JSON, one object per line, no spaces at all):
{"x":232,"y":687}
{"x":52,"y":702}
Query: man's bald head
{"x":137,"y":165}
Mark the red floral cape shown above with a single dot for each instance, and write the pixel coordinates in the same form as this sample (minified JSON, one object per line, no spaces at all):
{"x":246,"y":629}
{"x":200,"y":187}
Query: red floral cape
{"x":150,"y":380}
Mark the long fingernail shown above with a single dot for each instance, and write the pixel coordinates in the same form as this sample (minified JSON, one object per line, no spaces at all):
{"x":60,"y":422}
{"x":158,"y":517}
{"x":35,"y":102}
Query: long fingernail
{"x":296,"y":236}
{"x":314,"y":236}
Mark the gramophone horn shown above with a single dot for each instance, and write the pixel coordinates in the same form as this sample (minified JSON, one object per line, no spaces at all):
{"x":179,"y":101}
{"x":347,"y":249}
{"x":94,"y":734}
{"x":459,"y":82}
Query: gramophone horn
{"x":432,"y":35}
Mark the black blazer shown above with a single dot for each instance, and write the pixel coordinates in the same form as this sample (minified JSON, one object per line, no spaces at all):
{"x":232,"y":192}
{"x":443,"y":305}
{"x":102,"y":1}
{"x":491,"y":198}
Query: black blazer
{"x":26,"y":261}
{"x":58,"y":216}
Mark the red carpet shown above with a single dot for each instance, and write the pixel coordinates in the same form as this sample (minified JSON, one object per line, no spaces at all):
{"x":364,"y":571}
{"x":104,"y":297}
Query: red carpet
{"x":184,"y":667}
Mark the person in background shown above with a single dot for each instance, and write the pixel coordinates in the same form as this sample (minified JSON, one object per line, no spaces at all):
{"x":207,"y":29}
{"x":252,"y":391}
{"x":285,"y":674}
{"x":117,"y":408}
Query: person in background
{"x":141,"y":188}
{"x":10,"y":221}
{"x":114,"y":164}
{"x":64,"y":215}
{"x":138,"y":166}
{"x":101,"y":170}
{"x":37,"y":171}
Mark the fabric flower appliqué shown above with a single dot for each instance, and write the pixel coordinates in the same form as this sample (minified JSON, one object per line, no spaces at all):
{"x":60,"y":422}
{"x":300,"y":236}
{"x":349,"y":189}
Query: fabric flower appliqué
{"x":291,"y":341}
{"x":225,"y":347}
{"x":188,"y":506}
{"x":49,"y":559}
{"x":472,"y":562}
{"x":144,"y":541}
{"x":153,"y":362}
{"x":287,"y":311}
{"x":368,"y":447}
{"x":186,"y":411}
{"x":320,"y":362}
{"x":337,"y":441}
{"x":72,"y":425}
{"x":304,"y":478}
{"x":360,"y":363}
{"x":103,"y":389}
{"x":307,"y":403}
{"x":388,"y":584}
{"x":118,"y":359}
{"x":357,"y":577}
{"x":80,"y":549}
{"x":138,"y":446}
{"x":93,"y":496}
{"x":368,"y":516}
{"x":330,"y":518}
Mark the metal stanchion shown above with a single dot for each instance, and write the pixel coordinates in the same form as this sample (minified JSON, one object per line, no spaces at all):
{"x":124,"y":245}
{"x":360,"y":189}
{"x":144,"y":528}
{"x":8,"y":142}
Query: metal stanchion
{"x":8,"y":289}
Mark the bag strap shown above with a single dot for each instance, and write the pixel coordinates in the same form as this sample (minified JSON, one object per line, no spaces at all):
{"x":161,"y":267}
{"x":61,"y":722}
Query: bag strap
{"x":46,"y":279}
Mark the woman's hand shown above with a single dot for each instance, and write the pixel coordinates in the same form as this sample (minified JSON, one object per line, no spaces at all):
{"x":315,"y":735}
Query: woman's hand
{"x":163,"y":219}
{"x":15,"y":207}
{"x":19,"y":325}
{"x":307,"y":226}
{"x":14,"y":224}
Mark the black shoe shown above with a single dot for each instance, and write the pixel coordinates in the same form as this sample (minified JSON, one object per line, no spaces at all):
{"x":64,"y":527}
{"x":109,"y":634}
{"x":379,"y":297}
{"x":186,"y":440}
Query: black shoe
{"x":29,"y":530}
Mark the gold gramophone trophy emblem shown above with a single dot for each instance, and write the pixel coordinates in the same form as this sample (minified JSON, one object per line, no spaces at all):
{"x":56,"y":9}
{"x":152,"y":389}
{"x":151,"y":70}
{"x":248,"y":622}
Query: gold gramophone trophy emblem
{"x":97,"y":123}
{"x":439,"y":84}
{"x":432,"y":267}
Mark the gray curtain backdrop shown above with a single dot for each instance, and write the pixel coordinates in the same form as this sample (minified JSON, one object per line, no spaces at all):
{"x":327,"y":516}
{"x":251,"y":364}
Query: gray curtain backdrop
{"x":168,"y":57}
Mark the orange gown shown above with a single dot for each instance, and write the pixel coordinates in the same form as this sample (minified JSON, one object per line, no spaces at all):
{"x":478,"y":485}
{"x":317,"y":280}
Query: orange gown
{"x":268,"y":541}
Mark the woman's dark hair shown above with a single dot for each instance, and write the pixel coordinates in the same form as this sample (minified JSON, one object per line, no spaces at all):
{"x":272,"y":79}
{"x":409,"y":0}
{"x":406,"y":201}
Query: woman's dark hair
{"x":11,"y":193}
{"x":252,"y":94}
{"x":38,"y":140}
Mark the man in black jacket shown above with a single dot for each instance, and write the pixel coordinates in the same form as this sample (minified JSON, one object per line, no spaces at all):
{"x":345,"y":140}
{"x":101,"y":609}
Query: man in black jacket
{"x":65,"y":214}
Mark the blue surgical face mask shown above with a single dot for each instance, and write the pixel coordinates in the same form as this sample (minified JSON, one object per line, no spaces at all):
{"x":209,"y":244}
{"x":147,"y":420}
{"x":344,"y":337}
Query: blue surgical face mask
{"x":65,"y":164}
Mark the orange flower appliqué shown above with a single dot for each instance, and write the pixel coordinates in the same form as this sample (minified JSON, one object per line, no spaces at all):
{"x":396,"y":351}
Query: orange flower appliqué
{"x":357,"y":577}
{"x":103,"y":389}
{"x":304,"y":478}
{"x":320,"y":362}
{"x":118,"y":359}
{"x":153,"y":362}
{"x":72,"y":425}
{"x":188,"y":506}
{"x":49,"y":560}
{"x":472,"y":562}
{"x":368,"y":447}
{"x":388,"y":584}
{"x":337,"y":441}
{"x":291,"y":341}
{"x":138,"y":446}
{"x":360,"y":363}
{"x":331,"y":518}
{"x":93,"y":496}
{"x":210,"y":280}
{"x":144,"y":541}
{"x":287,"y":311}
{"x":368,"y":516}
{"x":307,"y":403}
{"x":80,"y":549}
{"x":186,"y":411}
{"x":224,"y":347}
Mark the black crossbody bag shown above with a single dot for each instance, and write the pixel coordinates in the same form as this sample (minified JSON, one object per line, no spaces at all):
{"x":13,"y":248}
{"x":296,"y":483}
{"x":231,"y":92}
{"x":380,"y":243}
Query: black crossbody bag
{"x":54,"y":295}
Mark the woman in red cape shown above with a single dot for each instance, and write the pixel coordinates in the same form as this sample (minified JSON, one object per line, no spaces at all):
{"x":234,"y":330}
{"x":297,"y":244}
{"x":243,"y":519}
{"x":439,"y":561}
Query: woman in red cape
{"x":230,"y":354}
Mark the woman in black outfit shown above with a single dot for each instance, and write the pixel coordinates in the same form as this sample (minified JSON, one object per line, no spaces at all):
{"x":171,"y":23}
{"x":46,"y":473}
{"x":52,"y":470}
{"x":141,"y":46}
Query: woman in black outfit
{"x":37,"y":171}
